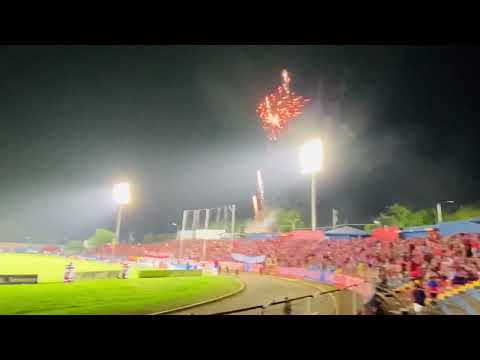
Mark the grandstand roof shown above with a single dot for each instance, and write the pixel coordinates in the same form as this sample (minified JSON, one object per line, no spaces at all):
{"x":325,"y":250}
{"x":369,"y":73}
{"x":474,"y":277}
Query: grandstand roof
{"x":420,"y":228}
{"x":346,"y":230}
{"x":450,"y":227}
{"x":457,"y":227}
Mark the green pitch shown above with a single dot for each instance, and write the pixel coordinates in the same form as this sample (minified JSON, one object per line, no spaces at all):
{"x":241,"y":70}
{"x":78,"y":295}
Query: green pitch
{"x":48,"y":268}
{"x":99,"y":297}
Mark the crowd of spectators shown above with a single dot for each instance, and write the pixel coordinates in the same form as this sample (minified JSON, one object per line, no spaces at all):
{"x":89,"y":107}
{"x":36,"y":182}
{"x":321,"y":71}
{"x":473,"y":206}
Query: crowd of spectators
{"x":434,"y":262}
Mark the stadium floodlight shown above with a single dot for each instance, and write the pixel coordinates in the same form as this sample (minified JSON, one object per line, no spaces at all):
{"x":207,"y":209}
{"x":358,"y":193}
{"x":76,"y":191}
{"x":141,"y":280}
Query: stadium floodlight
{"x":311,"y":156}
{"x":121,"y":196}
{"x":311,"y":162}
{"x":121,"y":193}
{"x":173,"y":223}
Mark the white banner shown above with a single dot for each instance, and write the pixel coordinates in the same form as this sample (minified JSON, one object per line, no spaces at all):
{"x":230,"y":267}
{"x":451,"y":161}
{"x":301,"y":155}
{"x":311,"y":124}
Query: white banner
{"x":202,"y":234}
{"x":248,"y":259}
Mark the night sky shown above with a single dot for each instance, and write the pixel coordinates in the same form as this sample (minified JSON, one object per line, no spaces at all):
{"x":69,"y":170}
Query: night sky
{"x":179,"y":123}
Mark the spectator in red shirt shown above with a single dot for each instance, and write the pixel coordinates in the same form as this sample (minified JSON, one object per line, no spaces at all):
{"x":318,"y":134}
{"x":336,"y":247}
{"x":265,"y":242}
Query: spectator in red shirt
{"x":475,"y":243}
{"x":416,"y":270}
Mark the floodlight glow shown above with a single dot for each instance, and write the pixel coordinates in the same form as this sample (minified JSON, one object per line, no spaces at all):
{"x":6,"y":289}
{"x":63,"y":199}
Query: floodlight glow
{"x":121,"y":193}
{"x":311,"y":156}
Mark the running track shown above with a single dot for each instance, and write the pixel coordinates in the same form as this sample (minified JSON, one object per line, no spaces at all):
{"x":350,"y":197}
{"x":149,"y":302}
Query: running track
{"x":262,"y":289}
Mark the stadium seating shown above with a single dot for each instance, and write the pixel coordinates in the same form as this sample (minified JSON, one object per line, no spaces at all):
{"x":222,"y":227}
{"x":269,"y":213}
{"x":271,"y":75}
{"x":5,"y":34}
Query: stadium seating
{"x":367,"y":257}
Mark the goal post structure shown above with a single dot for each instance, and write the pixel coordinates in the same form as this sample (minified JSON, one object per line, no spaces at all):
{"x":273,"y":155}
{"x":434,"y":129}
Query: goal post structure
{"x":196,"y":225}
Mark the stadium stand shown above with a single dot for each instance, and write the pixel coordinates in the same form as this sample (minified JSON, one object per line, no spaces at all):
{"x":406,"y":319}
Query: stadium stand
{"x":442,"y":264}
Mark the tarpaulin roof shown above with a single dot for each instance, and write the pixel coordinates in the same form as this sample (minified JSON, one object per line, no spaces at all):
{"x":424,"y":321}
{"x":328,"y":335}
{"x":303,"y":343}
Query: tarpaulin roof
{"x":449,"y":228}
{"x":346,"y":230}
{"x":457,"y":227}
{"x":260,"y":236}
{"x":421,"y":228}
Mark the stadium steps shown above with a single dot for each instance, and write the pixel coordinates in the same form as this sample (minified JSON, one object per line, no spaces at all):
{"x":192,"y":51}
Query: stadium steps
{"x":463,"y":300}
{"x":449,"y":308}
{"x":465,"y":303}
{"x":452,"y":307}
{"x":475,"y":294}
{"x":392,"y":302}
{"x":472,"y":299}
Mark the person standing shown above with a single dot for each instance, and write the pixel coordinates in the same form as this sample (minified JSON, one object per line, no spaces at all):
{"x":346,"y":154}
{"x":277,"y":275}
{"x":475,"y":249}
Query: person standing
{"x":476,"y":246}
{"x":69,"y":274}
{"x":433,"y":286}
{"x":287,"y":308}
{"x":125,"y":270}
{"x":418,"y":297}
{"x":468,"y":249}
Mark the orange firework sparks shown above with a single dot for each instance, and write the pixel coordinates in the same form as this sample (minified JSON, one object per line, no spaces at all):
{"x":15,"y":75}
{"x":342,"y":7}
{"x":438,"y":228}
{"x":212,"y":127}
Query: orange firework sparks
{"x":278,"y":108}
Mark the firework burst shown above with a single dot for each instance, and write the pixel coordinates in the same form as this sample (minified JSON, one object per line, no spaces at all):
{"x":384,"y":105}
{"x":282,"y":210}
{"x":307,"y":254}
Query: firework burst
{"x":279,"y":108}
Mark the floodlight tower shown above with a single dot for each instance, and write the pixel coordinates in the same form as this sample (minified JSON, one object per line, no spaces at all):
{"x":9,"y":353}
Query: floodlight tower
{"x":121,"y":196}
{"x":439,"y":210}
{"x":311,"y":162}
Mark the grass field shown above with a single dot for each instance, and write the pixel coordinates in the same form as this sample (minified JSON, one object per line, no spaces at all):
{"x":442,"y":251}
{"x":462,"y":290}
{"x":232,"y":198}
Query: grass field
{"x":99,"y":297}
{"x":48,"y":268}
{"x":106,"y":297}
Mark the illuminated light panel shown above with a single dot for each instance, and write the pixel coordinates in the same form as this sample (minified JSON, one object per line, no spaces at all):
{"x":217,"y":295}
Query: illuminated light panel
{"x":121,"y":193}
{"x":311,"y":157}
